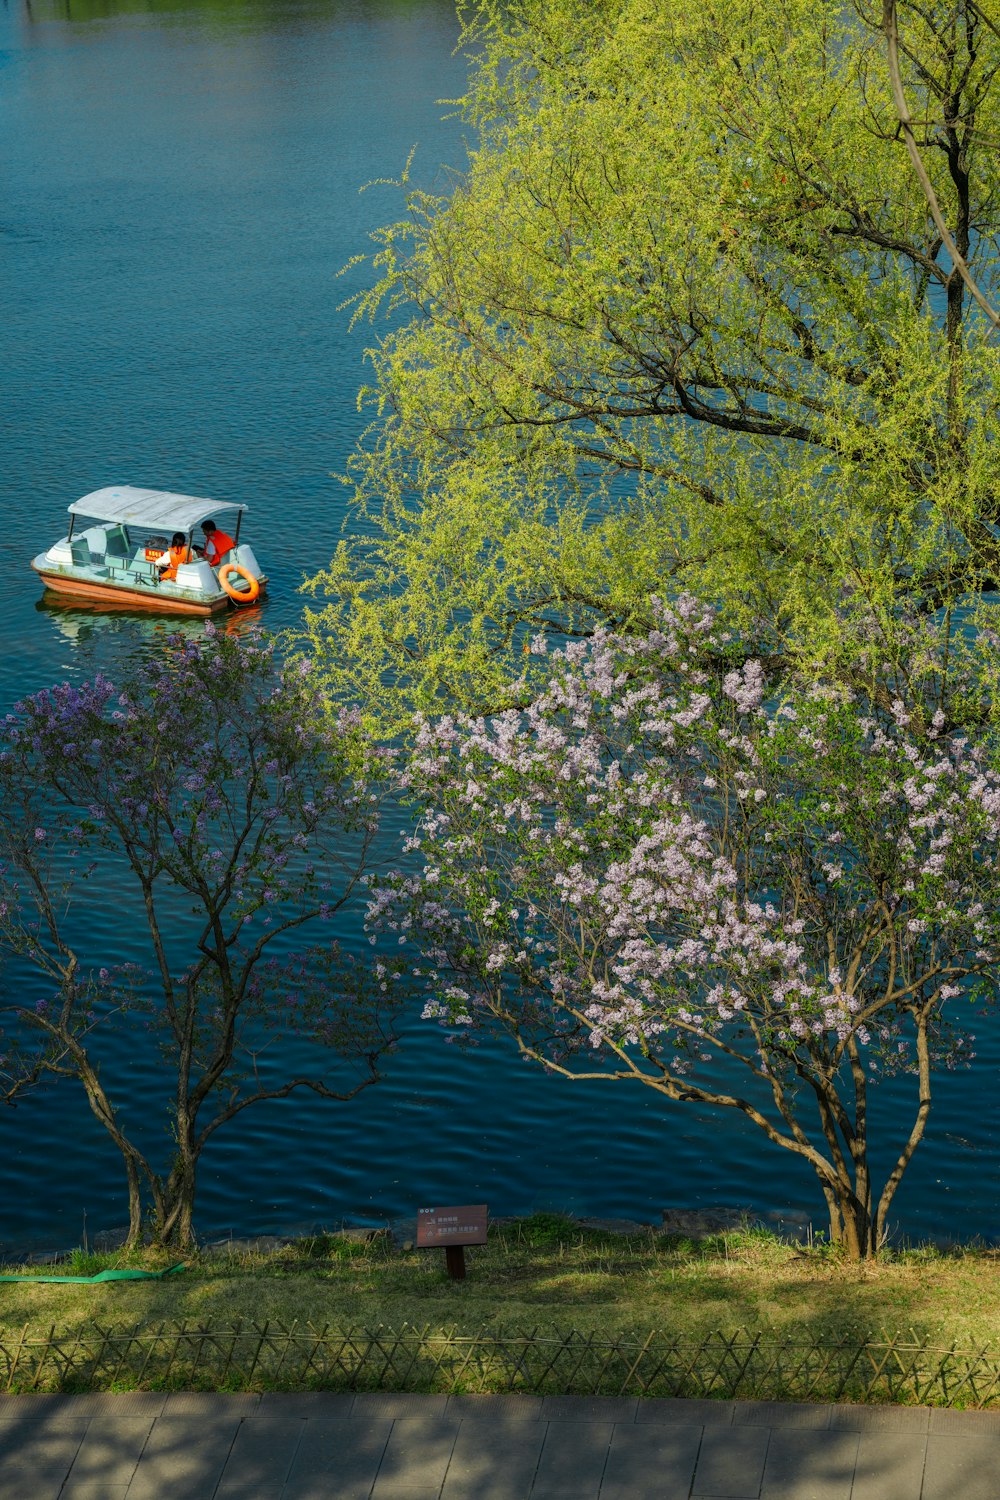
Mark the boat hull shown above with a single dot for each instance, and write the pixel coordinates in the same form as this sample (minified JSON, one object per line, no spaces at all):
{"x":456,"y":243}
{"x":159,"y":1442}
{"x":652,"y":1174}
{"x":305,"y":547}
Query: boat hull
{"x":124,"y":597}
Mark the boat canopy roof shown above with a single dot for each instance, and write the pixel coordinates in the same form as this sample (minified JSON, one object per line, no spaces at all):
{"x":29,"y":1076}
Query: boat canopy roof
{"x":157,"y":509}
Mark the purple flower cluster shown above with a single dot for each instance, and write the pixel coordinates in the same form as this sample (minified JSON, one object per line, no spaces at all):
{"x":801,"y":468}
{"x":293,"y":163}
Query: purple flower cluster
{"x":211,"y":790}
{"x":665,"y":852}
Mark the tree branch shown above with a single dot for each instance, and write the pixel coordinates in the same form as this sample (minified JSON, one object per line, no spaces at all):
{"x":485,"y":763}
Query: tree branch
{"x":890,"y":28}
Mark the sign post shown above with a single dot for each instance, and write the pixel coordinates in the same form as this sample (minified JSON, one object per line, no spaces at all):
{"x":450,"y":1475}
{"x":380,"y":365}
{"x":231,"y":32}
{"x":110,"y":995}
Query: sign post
{"x":452,"y":1228}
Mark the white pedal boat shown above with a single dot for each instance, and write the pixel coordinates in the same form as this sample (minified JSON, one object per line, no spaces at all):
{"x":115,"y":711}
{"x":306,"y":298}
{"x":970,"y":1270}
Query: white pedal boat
{"x":116,"y":559}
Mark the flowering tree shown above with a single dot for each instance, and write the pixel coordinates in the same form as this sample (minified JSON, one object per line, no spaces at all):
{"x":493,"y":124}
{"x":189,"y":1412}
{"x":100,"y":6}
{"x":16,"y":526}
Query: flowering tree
{"x":658,"y":873}
{"x":230,"y":823}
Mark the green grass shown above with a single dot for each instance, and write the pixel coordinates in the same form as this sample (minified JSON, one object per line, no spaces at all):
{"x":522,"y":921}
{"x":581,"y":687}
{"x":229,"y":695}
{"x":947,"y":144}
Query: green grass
{"x":546,"y":1271}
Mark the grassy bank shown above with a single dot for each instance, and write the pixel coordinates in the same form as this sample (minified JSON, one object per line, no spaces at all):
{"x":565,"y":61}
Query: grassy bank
{"x":549,"y":1275}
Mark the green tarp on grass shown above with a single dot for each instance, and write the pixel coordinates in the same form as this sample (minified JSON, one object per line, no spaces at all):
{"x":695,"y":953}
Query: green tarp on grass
{"x":103,"y":1276}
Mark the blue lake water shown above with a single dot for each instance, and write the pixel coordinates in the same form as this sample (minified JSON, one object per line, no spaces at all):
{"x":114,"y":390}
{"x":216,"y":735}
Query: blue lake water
{"x":180,"y":188}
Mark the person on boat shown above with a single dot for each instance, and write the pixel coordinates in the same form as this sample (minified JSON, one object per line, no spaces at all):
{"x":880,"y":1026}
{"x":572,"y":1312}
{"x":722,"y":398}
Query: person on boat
{"x":170,"y":561}
{"x":217,"y":543}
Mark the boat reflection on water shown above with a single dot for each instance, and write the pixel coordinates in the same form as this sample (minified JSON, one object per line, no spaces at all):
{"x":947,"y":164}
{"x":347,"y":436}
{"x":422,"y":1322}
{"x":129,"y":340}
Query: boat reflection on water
{"x":87,"y":625}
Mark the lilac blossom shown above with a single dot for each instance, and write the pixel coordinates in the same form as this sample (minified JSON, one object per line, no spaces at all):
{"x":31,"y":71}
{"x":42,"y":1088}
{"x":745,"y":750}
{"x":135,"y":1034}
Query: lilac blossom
{"x":667,"y":868}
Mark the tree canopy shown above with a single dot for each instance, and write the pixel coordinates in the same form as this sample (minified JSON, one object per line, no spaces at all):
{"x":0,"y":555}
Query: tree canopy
{"x":684,"y":320}
{"x":665,"y":872}
{"x":232,"y":827}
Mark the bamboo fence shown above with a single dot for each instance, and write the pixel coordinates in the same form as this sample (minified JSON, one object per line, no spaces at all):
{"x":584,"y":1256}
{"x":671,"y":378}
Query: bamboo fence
{"x":302,"y":1356}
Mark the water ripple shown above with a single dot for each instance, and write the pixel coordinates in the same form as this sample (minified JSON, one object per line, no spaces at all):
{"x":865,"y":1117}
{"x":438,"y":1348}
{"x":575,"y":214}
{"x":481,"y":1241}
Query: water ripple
{"x":181,"y":191}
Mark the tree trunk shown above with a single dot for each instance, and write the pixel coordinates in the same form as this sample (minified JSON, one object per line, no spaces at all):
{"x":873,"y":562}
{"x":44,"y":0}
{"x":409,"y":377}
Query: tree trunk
{"x":851,"y":1226}
{"x":134,"y":1203}
{"x":134,"y":1162}
{"x":173,"y":1223}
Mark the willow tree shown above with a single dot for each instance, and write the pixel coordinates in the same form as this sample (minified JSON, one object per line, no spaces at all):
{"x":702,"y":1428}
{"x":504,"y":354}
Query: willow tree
{"x":684,"y":320}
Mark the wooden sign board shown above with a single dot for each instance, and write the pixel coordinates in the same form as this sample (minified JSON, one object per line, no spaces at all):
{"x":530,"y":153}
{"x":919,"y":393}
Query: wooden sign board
{"x":461,"y":1225}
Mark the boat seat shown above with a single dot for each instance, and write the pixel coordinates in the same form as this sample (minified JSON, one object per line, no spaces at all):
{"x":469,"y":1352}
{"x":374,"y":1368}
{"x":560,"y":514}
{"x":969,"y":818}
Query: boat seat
{"x":116,"y":544}
{"x":84,"y":556}
{"x":96,"y":538}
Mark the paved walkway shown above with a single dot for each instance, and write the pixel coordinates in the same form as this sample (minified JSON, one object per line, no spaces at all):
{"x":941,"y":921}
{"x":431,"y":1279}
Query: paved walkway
{"x":142,"y":1446}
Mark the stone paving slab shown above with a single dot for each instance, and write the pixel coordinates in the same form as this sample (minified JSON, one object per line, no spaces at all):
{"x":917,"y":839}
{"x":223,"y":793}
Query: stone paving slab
{"x":780,"y":1414}
{"x":36,"y":1467}
{"x":378,"y":1446}
{"x":912,"y":1419}
{"x":112,"y":1444}
{"x":262,"y":1453}
{"x":60,"y":1419}
{"x":809,"y":1465}
{"x":963,"y":1466}
{"x":944,"y":1420}
{"x":405,"y":1404}
{"x":571,"y":1464}
{"x":184,"y":1456}
{"x":731,"y":1462}
{"x":673,"y":1409}
{"x":318,"y":1487}
{"x":494,"y":1459}
{"x":588,"y":1409}
{"x":520,"y":1408}
{"x":90,"y":1491}
{"x":77,"y":1409}
{"x":228,"y":1491}
{"x":346,"y":1453}
{"x":890,"y":1466}
{"x":651,"y":1461}
{"x":208,"y":1403}
{"x":303,"y":1404}
{"x":42,"y":1403}
{"x":416,"y":1456}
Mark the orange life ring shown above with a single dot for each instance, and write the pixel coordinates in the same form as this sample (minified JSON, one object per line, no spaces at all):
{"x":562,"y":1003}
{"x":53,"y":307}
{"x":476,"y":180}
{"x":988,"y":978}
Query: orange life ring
{"x":239,"y":596}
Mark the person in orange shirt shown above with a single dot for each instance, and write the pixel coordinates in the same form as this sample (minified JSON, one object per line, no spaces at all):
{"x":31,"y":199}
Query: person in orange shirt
{"x":217,"y":543}
{"x":170,"y":561}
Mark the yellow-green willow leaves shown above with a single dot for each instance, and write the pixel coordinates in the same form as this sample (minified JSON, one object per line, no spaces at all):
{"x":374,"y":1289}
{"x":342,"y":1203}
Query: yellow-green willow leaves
{"x":683,"y":322}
